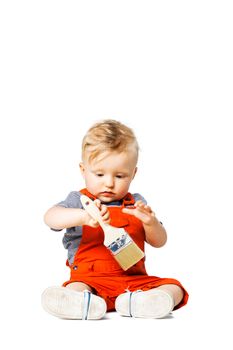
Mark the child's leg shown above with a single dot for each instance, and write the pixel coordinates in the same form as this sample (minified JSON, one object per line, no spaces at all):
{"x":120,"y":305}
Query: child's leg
{"x":175,"y":291}
{"x":79,"y":286}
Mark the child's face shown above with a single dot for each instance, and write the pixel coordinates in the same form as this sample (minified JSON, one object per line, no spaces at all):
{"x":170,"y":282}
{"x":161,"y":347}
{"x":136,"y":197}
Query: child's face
{"x":109,"y":177}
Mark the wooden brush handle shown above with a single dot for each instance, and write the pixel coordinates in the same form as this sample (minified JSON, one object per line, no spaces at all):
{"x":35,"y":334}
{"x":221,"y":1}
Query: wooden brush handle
{"x":92,"y":210}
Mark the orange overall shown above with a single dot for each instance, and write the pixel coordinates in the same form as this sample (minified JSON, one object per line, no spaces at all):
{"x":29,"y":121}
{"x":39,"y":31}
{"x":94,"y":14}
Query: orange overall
{"x":95,"y":266}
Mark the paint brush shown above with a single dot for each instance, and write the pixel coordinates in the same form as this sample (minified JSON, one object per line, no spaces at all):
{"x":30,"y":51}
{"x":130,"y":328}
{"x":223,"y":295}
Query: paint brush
{"x":117,"y":240}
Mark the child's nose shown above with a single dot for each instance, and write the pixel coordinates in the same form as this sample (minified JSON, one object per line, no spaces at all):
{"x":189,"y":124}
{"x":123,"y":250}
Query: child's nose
{"x":109,"y":182}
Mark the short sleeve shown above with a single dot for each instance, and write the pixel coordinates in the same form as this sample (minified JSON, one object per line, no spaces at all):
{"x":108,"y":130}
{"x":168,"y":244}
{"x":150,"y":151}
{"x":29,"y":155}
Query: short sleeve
{"x":71,"y":201}
{"x":138,"y":197}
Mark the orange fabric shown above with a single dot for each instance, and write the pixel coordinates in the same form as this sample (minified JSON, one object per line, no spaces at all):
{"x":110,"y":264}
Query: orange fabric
{"x":95,"y":266}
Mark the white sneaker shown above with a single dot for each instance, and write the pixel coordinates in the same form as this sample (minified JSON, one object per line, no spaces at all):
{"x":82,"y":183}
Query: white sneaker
{"x":150,"y":304}
{"x":66,"y":303}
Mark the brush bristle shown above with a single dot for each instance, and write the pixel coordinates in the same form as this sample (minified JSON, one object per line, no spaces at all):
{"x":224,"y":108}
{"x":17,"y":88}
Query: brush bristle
{"x":129,"y":256}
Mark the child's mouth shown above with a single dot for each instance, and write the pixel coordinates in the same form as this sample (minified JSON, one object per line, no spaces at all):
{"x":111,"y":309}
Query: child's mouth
{"x":107,"y":194}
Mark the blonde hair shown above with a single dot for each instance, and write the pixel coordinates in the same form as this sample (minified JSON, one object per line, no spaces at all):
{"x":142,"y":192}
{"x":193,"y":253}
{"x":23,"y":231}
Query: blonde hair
{"x":108,"y":135}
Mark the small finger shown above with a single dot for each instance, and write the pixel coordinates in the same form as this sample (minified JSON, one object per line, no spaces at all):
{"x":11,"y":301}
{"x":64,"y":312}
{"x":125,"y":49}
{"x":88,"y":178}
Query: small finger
{"x":106,"y":216}
{"x":97,"y":203}
{"x":104,"y":209}
{"x":148,"y":208}
{"x":94,"y":223}
{"x":140,"y":204}
{"x":107,"y":221}
{"x":128,"y":211}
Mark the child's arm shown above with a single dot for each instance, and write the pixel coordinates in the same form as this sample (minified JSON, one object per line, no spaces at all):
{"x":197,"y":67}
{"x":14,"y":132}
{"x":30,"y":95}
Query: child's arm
{"x":59,"y":217}
{"x":155,"y":232}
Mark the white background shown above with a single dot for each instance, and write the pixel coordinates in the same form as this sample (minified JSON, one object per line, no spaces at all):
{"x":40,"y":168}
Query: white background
{"x":165,"y":69}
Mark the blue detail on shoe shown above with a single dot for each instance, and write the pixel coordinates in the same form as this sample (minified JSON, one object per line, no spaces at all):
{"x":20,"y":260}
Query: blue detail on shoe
{"x":86,"y":303}
{"x":130,"y":296}
{"x":130,"y":302}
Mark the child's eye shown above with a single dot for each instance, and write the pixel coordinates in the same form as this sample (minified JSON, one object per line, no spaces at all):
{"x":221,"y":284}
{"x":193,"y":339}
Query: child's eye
{"x":99,"y":174}
{"x":119,"y":176}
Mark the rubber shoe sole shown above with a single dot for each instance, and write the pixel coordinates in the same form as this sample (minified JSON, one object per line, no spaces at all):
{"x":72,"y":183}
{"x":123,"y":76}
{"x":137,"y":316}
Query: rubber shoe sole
{"x":149,"y":304}
{"x":69,"y":304}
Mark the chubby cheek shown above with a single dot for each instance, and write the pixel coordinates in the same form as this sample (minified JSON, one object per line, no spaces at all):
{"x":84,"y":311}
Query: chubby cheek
{"x":123,"y":187}
{"x":91,"y":183}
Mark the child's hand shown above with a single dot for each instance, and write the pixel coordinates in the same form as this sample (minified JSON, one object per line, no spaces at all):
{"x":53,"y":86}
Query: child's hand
{"x":143,"y":212}
{"x":103,"y":212}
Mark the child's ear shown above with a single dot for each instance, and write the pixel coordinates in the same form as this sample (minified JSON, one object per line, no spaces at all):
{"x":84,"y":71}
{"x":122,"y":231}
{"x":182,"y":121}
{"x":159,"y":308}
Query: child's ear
{"x":82,"y":169}
{"x":135,"y":170}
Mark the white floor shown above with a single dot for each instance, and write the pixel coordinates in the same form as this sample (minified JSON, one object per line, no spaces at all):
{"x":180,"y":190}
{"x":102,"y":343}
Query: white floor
{"x":184,"y":329}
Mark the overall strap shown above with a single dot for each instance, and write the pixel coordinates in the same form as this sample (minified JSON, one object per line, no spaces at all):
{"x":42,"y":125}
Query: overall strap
{"x":87,"y":193}
{"x":128,"y":200}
